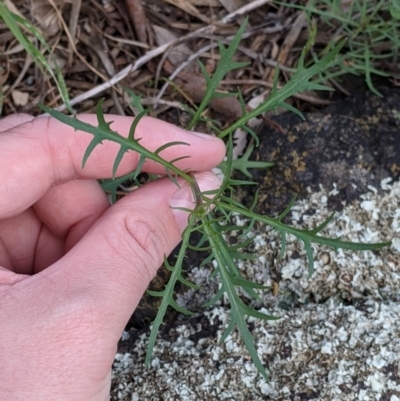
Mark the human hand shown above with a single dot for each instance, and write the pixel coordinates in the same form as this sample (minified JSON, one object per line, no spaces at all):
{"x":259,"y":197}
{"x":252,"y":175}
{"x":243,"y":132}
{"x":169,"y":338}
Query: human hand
{"x":72,"y":268}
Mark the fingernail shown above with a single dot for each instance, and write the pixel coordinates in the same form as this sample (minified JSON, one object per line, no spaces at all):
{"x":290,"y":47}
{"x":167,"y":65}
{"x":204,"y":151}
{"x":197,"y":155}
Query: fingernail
{"x":183,"y":197}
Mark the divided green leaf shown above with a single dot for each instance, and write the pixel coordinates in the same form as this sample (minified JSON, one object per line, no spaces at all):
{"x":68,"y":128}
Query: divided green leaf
{"x":216,"y":225}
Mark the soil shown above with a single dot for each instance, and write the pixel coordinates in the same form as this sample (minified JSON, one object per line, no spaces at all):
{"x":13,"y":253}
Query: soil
{"x":350,"y":144}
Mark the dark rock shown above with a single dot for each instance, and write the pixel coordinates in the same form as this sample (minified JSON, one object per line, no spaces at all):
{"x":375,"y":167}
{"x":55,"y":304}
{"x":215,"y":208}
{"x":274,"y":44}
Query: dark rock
{"x":353,"y":144}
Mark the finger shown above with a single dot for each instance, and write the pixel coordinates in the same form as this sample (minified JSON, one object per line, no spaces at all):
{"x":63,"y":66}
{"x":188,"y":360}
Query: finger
{"x":35,"y":239}
{"x":18,"y":251}
{"x":5,"y":261}
{"x":44,"y":152}
{"x":70,"y":209}
{"x":115,"y":261}
{"x":13,"y":120}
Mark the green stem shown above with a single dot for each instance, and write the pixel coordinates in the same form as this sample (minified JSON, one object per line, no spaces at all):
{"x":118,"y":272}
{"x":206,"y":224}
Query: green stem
{"x":299,"y":233}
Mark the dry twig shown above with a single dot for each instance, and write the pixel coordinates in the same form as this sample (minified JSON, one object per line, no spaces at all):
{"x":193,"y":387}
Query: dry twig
{"x":73,"y":25}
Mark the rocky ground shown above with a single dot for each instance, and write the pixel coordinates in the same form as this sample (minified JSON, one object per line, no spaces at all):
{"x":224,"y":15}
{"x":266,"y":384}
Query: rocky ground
{"x":338,"y":337}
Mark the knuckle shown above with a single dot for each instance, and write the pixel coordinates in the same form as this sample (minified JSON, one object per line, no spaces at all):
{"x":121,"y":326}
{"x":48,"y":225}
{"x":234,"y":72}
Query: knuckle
{"x":144,"y":240}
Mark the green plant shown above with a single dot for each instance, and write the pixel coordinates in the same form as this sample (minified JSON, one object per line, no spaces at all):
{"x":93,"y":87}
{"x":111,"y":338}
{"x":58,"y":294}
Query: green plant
{"x":373,"y":37}
{"x":17,"y":25}
{"x":213,"y":225}
{"x":395,"y":8}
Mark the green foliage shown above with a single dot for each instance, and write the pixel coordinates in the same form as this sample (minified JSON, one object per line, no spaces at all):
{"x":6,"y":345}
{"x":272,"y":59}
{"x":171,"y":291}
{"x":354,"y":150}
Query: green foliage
{"x":395,"y":8}
{"x":225,"y":65}
{"x":243,"y":164}
{"x":135,"y":99}
{"x":214,"y":225}
{"x":14,"y":24}
{"x":300,"y":81}
{"x":372,"y":37}
{"x":103,"y":132}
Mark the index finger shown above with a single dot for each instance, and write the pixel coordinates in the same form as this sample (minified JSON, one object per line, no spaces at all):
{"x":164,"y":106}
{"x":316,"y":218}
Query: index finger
{"x":43,"y":152}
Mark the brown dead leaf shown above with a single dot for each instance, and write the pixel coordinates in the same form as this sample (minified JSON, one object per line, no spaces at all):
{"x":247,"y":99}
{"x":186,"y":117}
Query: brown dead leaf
{"x":19,"y":98}
{"x":194,"y":85}
{"x":191,"y":83}
{"x":139,"y":21}
{"x":46,"y":16}
{"x":290,"y":39}
{"x":275,"y":288}
{"x":228,"y":106}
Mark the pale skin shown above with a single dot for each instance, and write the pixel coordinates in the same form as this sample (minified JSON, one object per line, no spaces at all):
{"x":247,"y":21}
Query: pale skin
{"x":72,"y":267}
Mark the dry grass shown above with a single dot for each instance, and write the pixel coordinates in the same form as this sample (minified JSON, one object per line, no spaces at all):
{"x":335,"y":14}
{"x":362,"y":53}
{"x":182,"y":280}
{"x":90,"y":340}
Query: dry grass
{"x":97,"y":42}
{"x":151,"y":47}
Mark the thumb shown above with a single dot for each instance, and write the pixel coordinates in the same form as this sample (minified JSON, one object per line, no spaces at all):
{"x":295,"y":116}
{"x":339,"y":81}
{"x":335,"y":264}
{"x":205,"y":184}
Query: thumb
{"x":116,"y":260}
